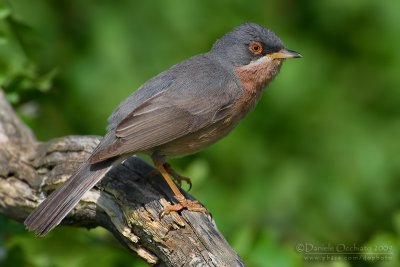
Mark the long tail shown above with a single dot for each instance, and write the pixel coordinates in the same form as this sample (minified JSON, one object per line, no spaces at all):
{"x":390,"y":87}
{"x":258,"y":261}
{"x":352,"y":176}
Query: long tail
{"x":56,"y":206}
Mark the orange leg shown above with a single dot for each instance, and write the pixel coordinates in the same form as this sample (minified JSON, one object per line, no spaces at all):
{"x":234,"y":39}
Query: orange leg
{"x":183,"y":203}
{"x":178,"y":178}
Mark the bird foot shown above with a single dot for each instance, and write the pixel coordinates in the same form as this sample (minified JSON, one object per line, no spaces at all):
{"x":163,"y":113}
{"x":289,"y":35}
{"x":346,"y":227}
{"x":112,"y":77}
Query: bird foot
{"x":177,"y":177}
{"x":184,"y":204}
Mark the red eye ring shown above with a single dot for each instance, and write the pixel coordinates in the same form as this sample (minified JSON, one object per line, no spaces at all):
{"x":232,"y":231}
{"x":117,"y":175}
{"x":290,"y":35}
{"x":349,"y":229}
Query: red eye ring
{"x":255,"y":48}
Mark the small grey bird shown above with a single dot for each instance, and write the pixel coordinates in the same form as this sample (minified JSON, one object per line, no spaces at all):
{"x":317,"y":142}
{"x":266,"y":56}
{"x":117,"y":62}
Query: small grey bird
{"x":178,"y":112}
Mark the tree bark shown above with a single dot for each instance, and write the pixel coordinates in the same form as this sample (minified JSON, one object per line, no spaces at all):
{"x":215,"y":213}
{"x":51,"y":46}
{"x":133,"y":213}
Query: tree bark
{"x":127,"y":202}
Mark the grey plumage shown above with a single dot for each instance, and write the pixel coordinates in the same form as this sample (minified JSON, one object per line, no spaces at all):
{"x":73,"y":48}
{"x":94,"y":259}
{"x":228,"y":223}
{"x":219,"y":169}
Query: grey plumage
{"x":56,"y":206}
{"x":169,"y":113}
{"x":180,"y":111}
{"x":233,"y":45}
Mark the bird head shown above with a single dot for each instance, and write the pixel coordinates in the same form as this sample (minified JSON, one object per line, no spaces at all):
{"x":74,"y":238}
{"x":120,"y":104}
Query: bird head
{"x":251,"y":43}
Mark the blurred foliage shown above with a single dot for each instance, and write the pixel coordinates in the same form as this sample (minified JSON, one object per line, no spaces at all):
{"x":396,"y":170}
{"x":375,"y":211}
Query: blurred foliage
{"x":317,"y":162}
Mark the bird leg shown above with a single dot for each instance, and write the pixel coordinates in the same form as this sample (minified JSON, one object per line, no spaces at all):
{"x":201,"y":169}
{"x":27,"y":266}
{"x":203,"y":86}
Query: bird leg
{"x":183,"y":203}
{"x":177,"y":177}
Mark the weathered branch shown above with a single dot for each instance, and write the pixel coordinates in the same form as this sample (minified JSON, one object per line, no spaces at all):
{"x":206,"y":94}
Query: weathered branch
{"x":127,"y":202}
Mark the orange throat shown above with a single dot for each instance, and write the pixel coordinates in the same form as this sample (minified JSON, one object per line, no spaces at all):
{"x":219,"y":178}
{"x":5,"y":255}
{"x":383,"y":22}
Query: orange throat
{"x":256,"y":75}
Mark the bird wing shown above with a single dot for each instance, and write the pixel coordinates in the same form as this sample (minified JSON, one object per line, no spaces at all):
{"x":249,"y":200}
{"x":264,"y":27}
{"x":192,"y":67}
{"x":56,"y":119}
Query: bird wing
{"x":196,"y":98}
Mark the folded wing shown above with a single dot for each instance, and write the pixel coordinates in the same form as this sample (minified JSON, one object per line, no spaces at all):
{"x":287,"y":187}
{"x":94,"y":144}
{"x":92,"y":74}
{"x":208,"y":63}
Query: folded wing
{"x":190,"y":103}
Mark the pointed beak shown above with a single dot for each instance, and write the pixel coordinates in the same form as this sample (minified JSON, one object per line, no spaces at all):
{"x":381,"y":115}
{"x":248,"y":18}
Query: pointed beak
{"x":285,"y":53}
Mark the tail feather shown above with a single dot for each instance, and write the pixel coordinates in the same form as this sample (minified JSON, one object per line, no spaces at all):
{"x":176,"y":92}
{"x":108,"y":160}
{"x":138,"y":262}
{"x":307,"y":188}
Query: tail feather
{"x":56,"y":206}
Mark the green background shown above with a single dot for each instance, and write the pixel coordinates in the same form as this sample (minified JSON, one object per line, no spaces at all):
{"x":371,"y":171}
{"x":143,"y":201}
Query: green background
{"x":317,"y":162}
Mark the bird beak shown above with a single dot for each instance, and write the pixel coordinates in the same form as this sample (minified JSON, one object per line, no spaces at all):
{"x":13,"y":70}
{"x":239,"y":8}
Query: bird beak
{"x":285,"y":53}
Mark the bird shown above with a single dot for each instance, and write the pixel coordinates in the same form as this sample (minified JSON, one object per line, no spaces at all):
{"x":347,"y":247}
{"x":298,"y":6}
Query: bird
{"x":176,"y":113}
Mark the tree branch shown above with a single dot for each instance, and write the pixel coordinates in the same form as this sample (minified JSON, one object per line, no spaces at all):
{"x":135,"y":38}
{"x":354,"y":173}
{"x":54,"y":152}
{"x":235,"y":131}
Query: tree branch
{"x":127,"y":201}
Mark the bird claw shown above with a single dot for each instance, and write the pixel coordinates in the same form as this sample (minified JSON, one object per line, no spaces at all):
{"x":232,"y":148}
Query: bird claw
{"x":184,"y":204}
{"x":177,"y":177}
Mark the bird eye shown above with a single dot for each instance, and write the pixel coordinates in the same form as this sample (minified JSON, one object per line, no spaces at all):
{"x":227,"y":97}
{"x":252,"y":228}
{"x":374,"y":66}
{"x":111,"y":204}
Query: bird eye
{"x":255,"y":48}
